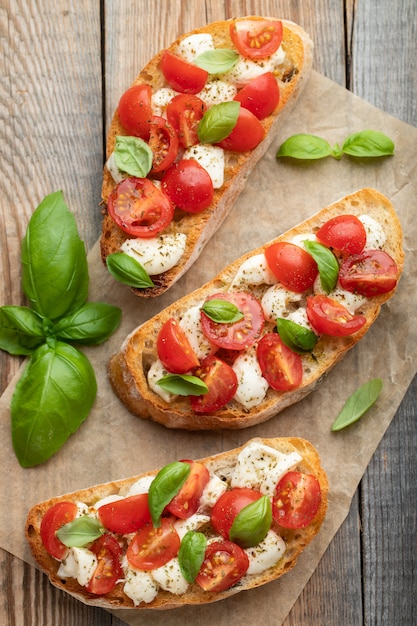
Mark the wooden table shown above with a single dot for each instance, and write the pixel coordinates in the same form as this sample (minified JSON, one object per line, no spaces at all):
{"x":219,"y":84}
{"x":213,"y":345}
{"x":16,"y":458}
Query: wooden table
{"x":60,"y":82}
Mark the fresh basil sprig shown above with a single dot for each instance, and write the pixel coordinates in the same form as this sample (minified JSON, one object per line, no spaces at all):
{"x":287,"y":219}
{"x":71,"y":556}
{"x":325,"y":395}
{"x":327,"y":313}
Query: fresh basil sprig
{"x":358,"y":403}
{"x":191,"y":554}
{"x":128,"y":270}
{"x":183,"y":385}
{"x":80,"y":532}
{"x":165,"y":486}
{"x":252,"y":523}
{"x":133,"y":156}
{"x":222,"y":311}
{"x":218,"y":122}
{"x":326,"y":262}
{"x":298,"y":338}
{"x":217,"y":61}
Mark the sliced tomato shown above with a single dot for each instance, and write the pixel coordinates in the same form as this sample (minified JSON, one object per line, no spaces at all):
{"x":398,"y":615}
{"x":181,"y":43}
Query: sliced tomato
{"x":55,"y":517}
{"x":152,"y":547}
{"x":235,"y":335}
{"x":135,"y":110}
{"x":108,"y":570}
{"x":139,"y":208}
{"x":256,"y":39}
{"x":329,"y":317}
{"x":229,"y":504}
{"x":225,"y":563}
{"x":246,"y":134}
{"x":260,"y":96}
{"x":126,"y":515}
{"x":292,"y":265}
{"x":296,"y":500}
{"x":370,"y":273}
{"x":188,"y":185}
{"x":221,"y":381}
{"x":184,"y":113}
{"x":187,"y":500}
{"x":344,"y":233}
{"x":280,"y":366}
{"x":181,"y":75}
{"x":163,"y":142}
{"x":174,"y":349}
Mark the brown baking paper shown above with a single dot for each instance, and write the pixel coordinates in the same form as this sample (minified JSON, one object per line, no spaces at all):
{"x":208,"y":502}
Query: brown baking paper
{"x":113,"y":444}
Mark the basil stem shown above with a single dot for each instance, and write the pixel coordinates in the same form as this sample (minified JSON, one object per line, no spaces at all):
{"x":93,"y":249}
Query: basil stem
{"x":252,"y":523}
{"x":191,"y":554}
{"x":298,"y":338}
{"x":183,"y":385}
{"x":164,"y":487}
{"x":80,"y":532}
{"x":128,"y":270}
{"x":358,"y":403}
{"x":222,"y":311}
{"x":326,"y":263}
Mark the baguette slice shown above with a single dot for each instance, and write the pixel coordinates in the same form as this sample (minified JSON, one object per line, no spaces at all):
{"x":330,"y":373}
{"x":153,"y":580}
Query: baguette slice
{"x":128,"y":368}
{"x":220,"y":464}
{"x":200,"y":227}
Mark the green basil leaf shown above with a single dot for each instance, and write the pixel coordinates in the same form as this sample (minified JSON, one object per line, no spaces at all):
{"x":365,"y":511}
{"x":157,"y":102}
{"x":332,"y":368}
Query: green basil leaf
{"x":222,"y":311}
{"x":21,"y":330}
{"x":326,"y":262}
{"x":81,"y":531}
{"x":368,"y":143}
{"x":298,"y":338}
{"x":91,"y":324}
{"x":252,"y":523}
{"x":128,"y":271}
{"x":165,"y":486}
{"x":218,"y":122}
{"x":183,"y":385}
{"x":217,"y":61}
{"x":54,"y":262}
{"x":358,"y":403}
{"x":191,"y":554}
{"x":51,"y":400}
{"x":304,"y":146}
{"x":133,"y":156}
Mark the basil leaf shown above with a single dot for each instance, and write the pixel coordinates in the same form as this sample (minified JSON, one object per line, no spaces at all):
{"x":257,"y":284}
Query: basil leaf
{"x":222,"y":311}
{"x":91,"y":324}
{"x":81,"y":531}
{"x":21,"y":330}
{"x":183,"y":385}
{"x":217,"y":61}
{"x":304,"y":146}
{"x":298,"y":338}
{"x":128,"y":271}
{"x":54,"y":262}
{"x":218,"y":122}
{"x":368,"y":143}
{"x":191,"y":554}
{"x":165,"y":486}
{"x":133,"y":156}
{"x":358,"y":403}
{"x":326,"y":263}
{"x":252,"y":523}
{"x":51,"y":400}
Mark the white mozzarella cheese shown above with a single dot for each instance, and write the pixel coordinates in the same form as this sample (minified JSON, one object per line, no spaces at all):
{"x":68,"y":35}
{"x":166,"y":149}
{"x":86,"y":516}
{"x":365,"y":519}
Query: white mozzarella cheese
{"x":217,"y":91}
{"x":80,"y":563}
{"x":107,"y":500}
{"x":212,"y":492}
{"x":252,"y":386}
{"x":253,"y":271}
{"x":246,"y":70}
{"x":157,"y":254}
{"x":194,"y":522}
{"x":193,"y":45}
{"x":160,"y":100}
{"x":155,"y":373}
{"x":351,"y":301}
{"x":375,"y":234}
{"x":140,"y":486}
{"x":139,"y":586}
{"x":278,"y":302}
{"x":190,"y":323}
{"x":170,"y":577}
{"x":299,"y":316}
{"x":298,"y":240}
{"x":266,"y":554}
{"x":211,"y":158}
{"x":115,"y":173}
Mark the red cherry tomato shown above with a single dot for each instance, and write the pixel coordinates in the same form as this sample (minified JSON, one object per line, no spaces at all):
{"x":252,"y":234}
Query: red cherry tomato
{"x":184,"y":113}
{"x":235,"y":335}
{"x":108,"y":570}
{"x":246,"y":135}
{"x":174,"y":349}
{"x":163,"y":142}
{"x":152,"y":547}
{"x":292,"y":265}
{"x":296,"y":501}
{"x":55,"y":517}
{"x":221,"y":381}
{"x":344,"y":233}
{"x":188,"y":185}
{"x":139,"y":208}
{"x":229,"y":504}
{"x":330,"y":317}
{"x":135,"y":110}
{"x":187,"y":500}
{"x":225,"y":563}
{"x":181,"y":75}
{"x":256,"y":39}
{"x":370,"y":273}
{"x":280,"y":366}
{"x":127,"y":515}
{"x":260,"y":96}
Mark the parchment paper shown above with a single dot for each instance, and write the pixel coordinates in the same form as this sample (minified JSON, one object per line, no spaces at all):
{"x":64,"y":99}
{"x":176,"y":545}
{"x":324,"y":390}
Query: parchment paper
{"x":113,"y":444}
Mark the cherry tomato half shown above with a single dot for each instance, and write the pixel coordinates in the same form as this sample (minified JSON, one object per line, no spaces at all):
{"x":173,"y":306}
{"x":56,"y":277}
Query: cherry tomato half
{"x":256,"y":38}
{"x":246,"y":135}
{"x":181,"y":75}
{"x":152,"y":547}
{"x":280,"y":366}
{"x":139,"y":208}
{"x":184,"y":113}
{"x":229,"y":504}
{"x":221,"y":381}
{"x":188,"y":185}
{"x":187,"y":500}
{"x":330,"y":317}
{"x":163,"y":142}
{"x":292,"y":265}
{"x":126,"y":515}
{"x":296,"y":501}
{"x":174,"y":349}
{"x":225,"y":563}
{"x":55,"y":517}
{"x":370,"y":273}
{"x":108,"y":570}
{"x":344,"y":233}
{"x":135,"y":110}
{"x":260,"y":96}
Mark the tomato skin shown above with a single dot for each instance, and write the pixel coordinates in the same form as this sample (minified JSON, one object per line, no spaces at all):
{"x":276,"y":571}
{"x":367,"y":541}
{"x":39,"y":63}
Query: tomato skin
{"x":163,"y":141}
{"x":225,"y":563}
{"x":292,"y":265}
{"x":229,"y":504}
{"x":280,"y":366}
{"x":184,"y":113}
{"x":246,"y":135}
{"x":296,"y":500}
{"x":256,"y":39}
{"x":135,"y":110}
{"x":151,"y":547}
{"x":108,"y":570}
{"x":174,"y":349}
{"x":260,"y":96}
{"x":181,"y":75}
{"x":55,"y":517}
{"x":187,"y":500}
{"x":343,"y":233}
{"x":371,"y":273}
{"x":221,"y":381}
{"x":139,"y":208}
{"x":127,"y":515}
{"x":329,"y":317}
{"x":188,"y":185}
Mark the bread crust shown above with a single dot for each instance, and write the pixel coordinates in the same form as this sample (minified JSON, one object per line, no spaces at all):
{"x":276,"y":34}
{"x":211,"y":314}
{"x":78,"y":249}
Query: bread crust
{"x":296,"y":540}
{"x":200,"y":227}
